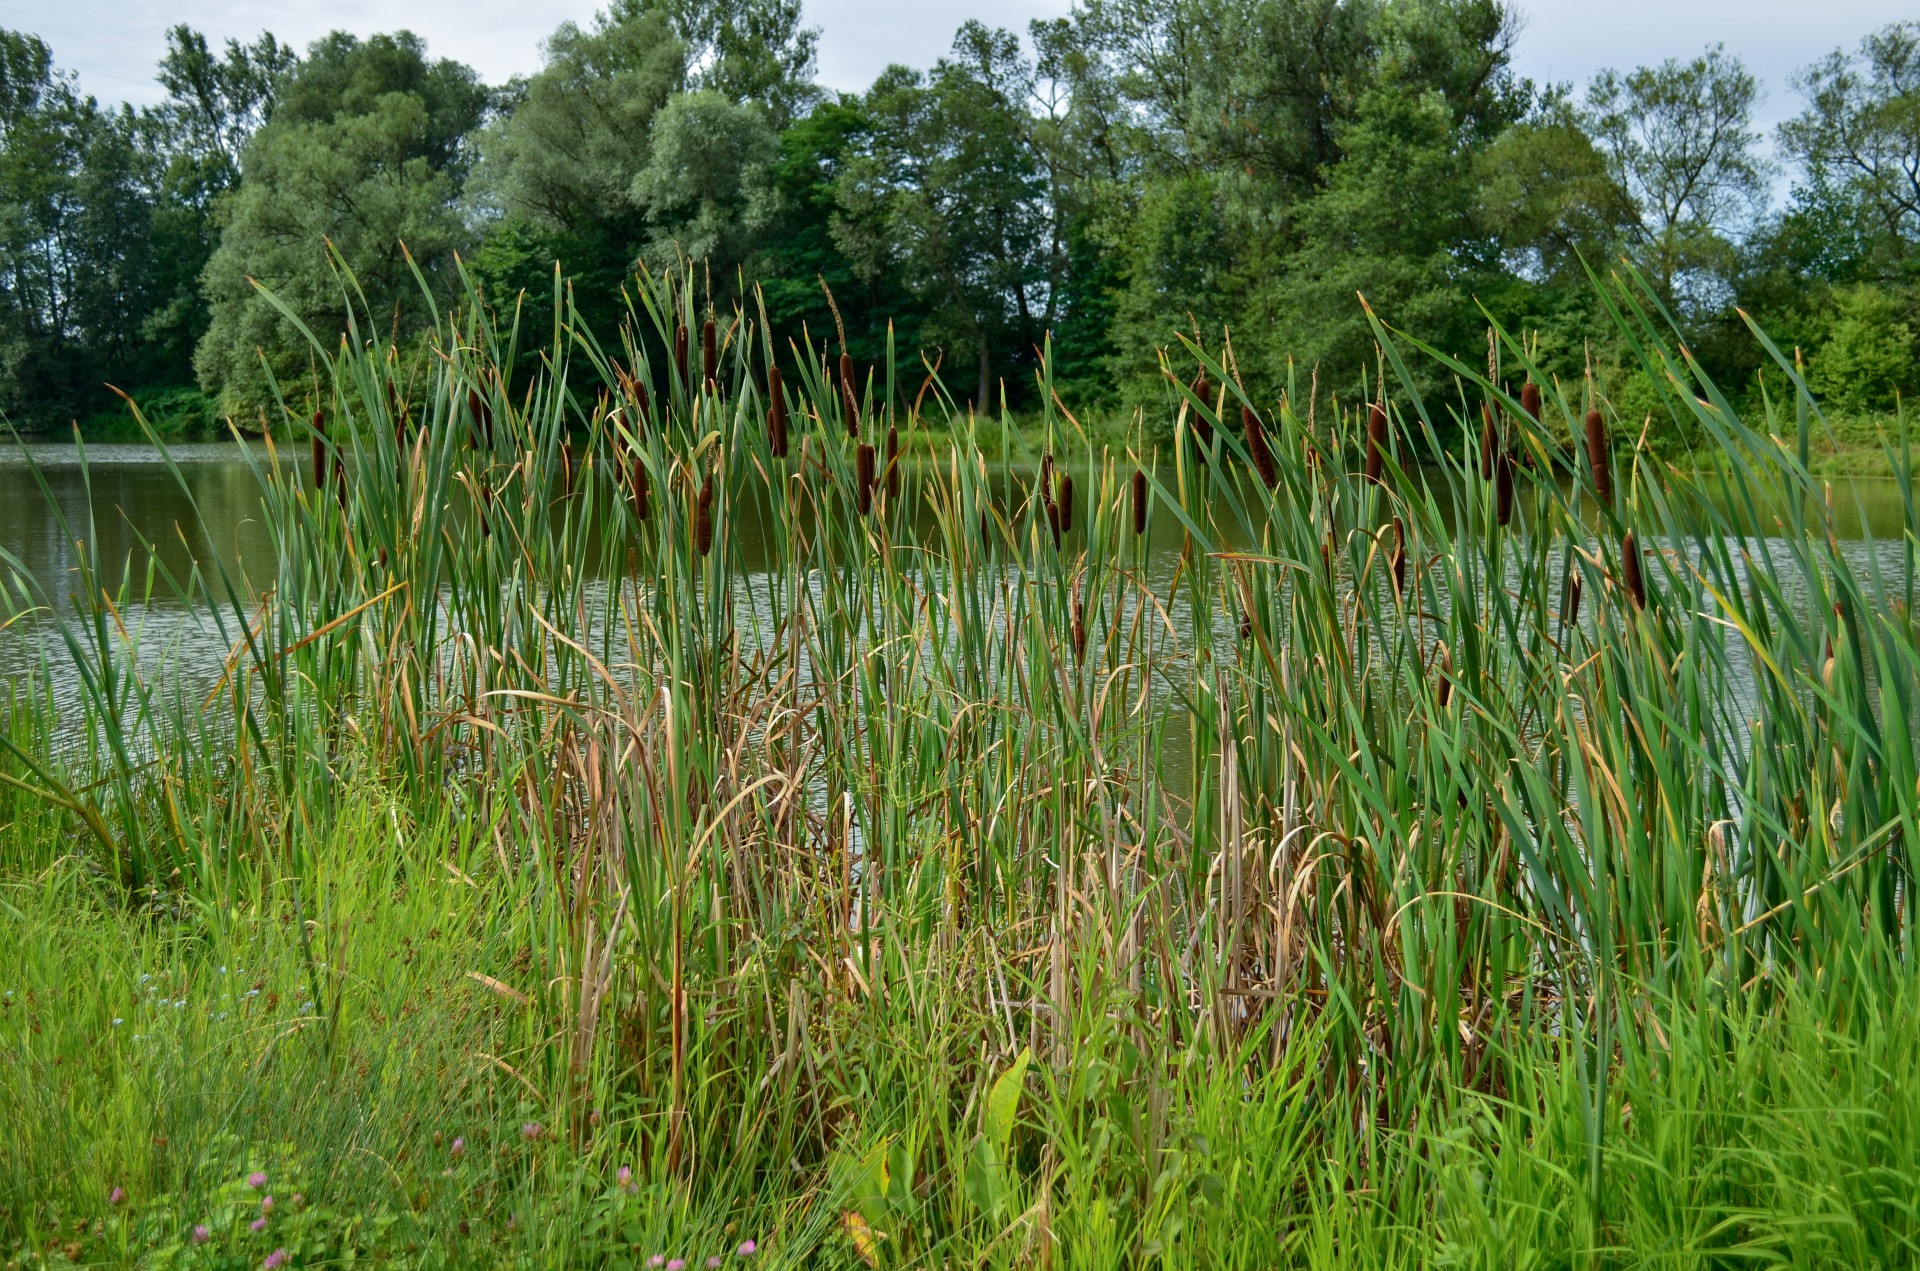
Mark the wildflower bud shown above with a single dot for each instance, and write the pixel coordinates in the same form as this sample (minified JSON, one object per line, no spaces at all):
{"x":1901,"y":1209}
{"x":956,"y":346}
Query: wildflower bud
{"x":1600,"y":458}
{"x":458,"y":1150}
{"x":1257,"y":448}
{"x":266,"y":1204}
{"x":201,"y":1235}
{"x":1139,"y":502}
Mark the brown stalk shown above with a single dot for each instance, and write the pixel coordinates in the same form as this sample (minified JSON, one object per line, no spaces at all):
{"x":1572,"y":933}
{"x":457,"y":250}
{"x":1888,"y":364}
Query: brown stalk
{"x":1571,"y":610}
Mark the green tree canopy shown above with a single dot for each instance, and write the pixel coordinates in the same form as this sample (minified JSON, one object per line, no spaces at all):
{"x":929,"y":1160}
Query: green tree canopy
{"x":362,"y":154}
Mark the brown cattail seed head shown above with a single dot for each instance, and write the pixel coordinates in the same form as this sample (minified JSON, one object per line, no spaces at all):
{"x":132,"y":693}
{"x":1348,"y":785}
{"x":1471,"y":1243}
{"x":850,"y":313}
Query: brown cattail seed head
{"x":1489,"y":443}
{"x":1376,"y":441}
{"x":710,"y":356}
{"x":776,"y":413}
{"x":319,"y":450}
{"x":1600,"y":457}
{"x":863,"y":477}
{"x":1079,"y":629}
{"x":1053,"y":519}
{"x":1503,"y":488}
{"x":1257,"y":448}
{"x":680,"y":356}
{"x":638,"y":479}
{"x":1066,"y":503}
{"x":1443,"y":678}
{"x":1572,"y":609}
{"x":1399,"y":558}
{"x":1630,"y":570}
{"x":1202,"y":428}
{"x":703,"y":517}
{"x":849,"y":394}
{"x":1139,"y":502}
{"x":1530,"y":400}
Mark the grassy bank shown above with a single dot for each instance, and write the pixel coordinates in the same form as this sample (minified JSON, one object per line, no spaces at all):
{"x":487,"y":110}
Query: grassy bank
{"x":1503,"y":861}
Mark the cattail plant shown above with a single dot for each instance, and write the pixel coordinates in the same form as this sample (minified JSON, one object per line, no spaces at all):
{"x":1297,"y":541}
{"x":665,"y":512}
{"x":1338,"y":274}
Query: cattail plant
{"x":893,"y":463}
{"x":1570,"y":607}
{"x":1630,"y":570}
{"x":566,"y":467}
{"x":1489,"y":443}
{"x":1530,"y":400}
{"x":1079,"y":629}
{"x":1202,"y":428}
{"x":319,"y":450}
{"x":680,"y":357}
{"x":863,"y":477}
{"x":1443,"y":678}
{"x":849,"y":394}
{"x":637,"y":480}
{"x":1503,"y":488}
{"x":776,"y":414}
{"x":1257,"y":449}
{"x":1139,"y":503}
{"x":1065,"y":500}
{"x":1600,"y":458}
{"x":1376,"y":441}
{"x":710,"y":356}
{"x":1398,"y":560}
{"x":481,"y":415}
{"x":703,"y":517}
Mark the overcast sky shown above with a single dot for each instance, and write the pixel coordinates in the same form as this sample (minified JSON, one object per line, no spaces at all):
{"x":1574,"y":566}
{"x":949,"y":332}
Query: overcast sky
{"x":113,"y":44}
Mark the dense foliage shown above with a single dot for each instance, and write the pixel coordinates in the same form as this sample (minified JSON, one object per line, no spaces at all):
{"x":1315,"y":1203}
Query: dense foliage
{"x":1137,"y":168}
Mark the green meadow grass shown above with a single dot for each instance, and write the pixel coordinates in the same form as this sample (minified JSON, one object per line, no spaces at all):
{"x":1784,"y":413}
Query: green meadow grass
{"x":1489,"y":846}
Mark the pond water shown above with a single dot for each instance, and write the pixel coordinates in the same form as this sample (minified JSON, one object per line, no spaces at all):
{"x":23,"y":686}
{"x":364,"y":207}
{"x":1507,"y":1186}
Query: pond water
{"x":135,"y":511}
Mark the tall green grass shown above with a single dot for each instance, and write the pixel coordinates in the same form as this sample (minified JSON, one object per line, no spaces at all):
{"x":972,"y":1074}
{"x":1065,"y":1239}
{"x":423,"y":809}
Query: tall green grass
{"x":1441,"y":861}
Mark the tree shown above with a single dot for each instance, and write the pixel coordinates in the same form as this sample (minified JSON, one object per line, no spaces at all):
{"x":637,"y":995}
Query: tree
{"x":1860,"y":135}
{"x":1679,"y":137}
{"x":948,"y":191}
{"x":364,"y":152}
{"x":707,"y":186}
{"x":1868,"y":355}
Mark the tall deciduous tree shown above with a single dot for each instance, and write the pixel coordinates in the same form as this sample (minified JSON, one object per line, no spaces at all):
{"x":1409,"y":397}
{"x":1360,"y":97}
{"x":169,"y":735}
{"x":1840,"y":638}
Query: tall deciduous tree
{"x":1680,"y":137}
{"x":365,"y":151}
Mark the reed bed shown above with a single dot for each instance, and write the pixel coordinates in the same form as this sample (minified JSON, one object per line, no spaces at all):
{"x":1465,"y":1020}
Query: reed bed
{"x":869,"y":846}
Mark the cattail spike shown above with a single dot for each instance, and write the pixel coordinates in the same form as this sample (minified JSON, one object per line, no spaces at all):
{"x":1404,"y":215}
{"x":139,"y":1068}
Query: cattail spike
{"x":639,"y":481}
{"x":1503,"y":488}
{"x":1079,"y":629}
{"x":1139,"y":503}
{"x":1443,"y":678}
{"x":1202,"y":427}
{"x":1630,"y":570}
{"x":863,"y":477}
{"x":319,"y":450}
{"x":776,"y":413}
{"x":1489,"y":443}
{"x":1377,"y":441}
{"x":1600,"y":458}
{"x":1571,"y":610}
{"x":703,"y":517}
{"x":1066,"y":502}
{"x":1530,"y":400}
{"x":1257,"y":448}
{"x":849,"y":394}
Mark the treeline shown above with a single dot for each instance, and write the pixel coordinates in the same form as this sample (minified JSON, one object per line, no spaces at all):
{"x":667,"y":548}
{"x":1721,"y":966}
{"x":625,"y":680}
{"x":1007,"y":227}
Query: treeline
{"x":1138,"y":168}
